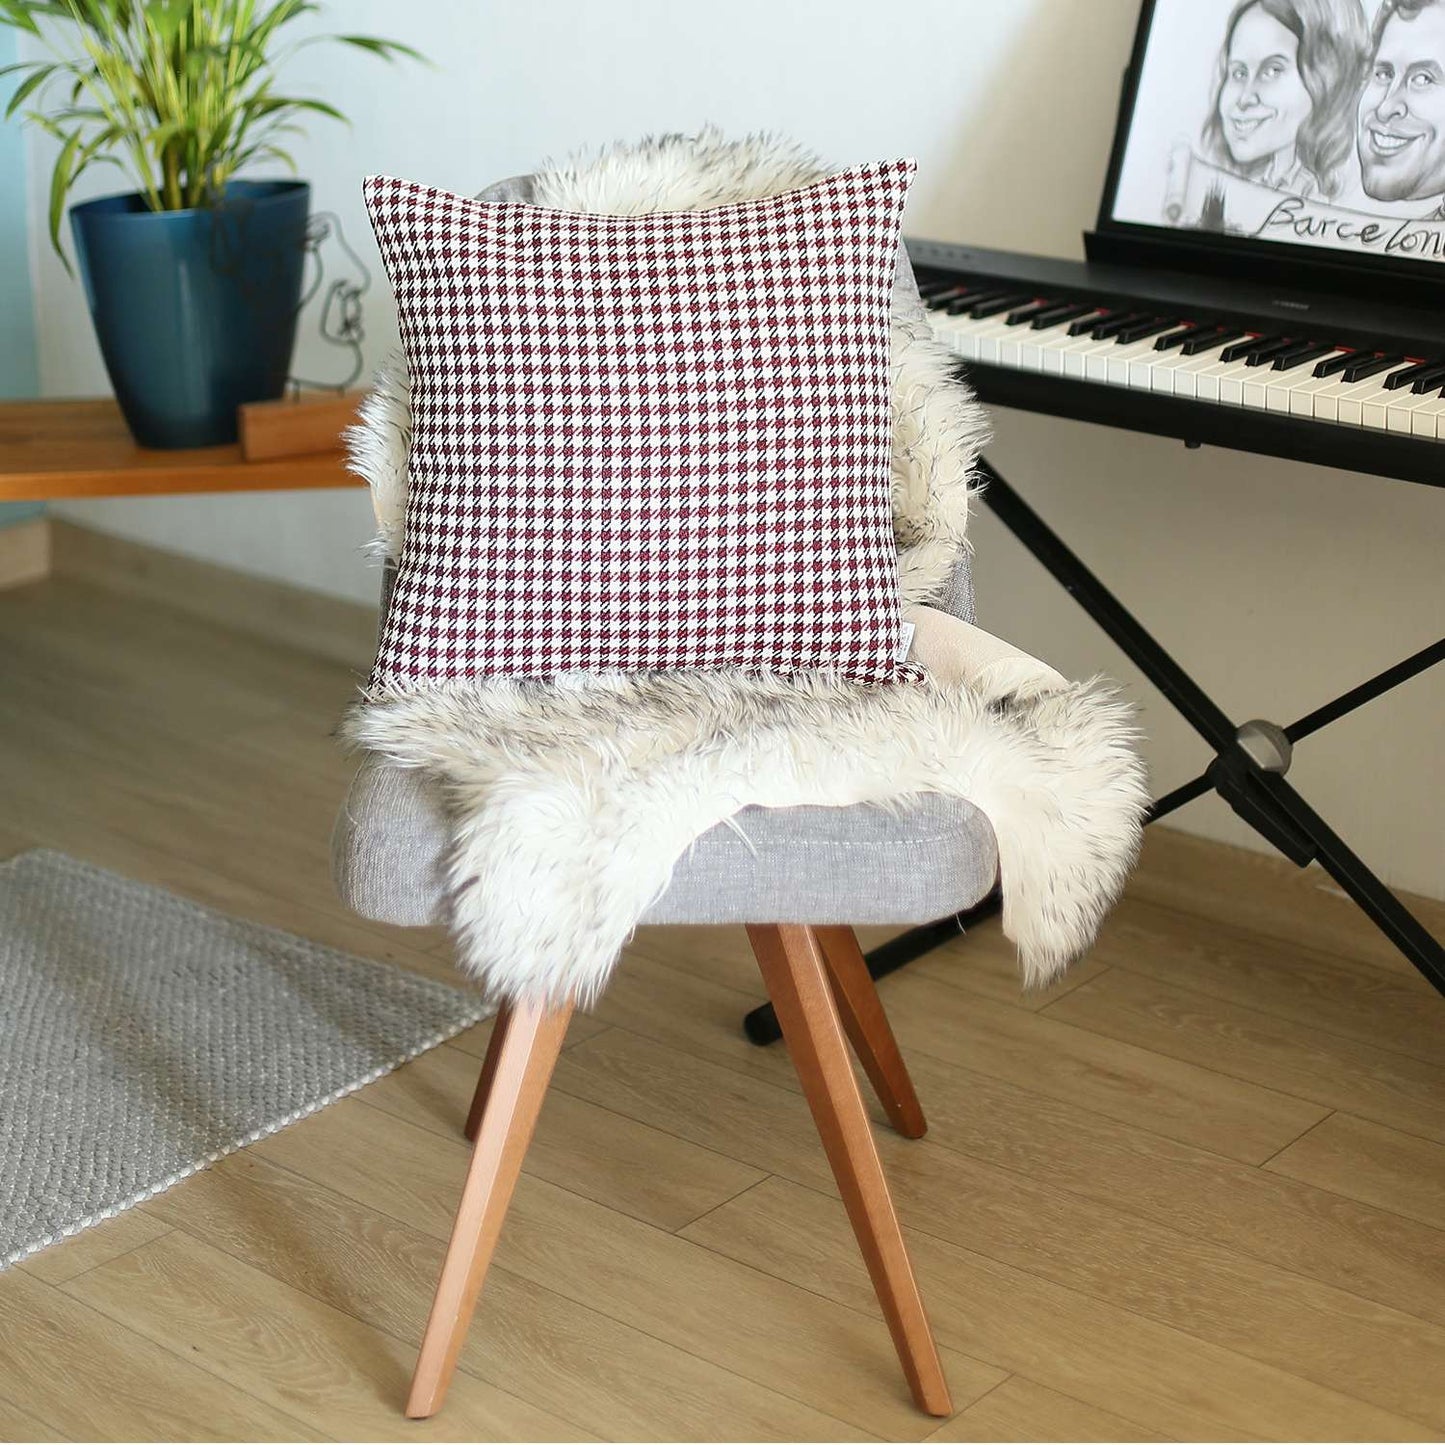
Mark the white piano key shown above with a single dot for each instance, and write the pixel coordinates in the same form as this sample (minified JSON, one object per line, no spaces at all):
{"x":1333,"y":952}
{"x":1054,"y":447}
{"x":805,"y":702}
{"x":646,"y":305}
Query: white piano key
{"x":953,"y":331}
{"x":1386,"y":411}
{"x":1400,"y":415}
{"x":1281,"y":386}
{"x":1302,"y":395}
{"x":1186,"y":376}
{"x":1252,"y":387}
{"x":961,"y":333}
{"x":1076,"y":360}
{"x":1302,"y":398}
{"x":1162,"y":374}
{"x":1112,"y":362}
{"x":992,"y":330}
{"x":1054,"y":354}
{"x":1369,"y":392}
{"x":1375,"y":410}
{"x":1246,"y":389}
{"x":1125,"y":356}
{"x":1011,"y":345}
{"x":1070,"y":353}
{"x":1429,"y":420}
{"x":1142,"y":369}
{"x":1037,"y":346}
{"x":1327,"y":399}
{"x":1209,"y":383}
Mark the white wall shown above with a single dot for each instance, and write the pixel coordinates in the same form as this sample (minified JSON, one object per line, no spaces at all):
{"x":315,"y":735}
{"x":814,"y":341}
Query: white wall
{"x":1278,"y":584}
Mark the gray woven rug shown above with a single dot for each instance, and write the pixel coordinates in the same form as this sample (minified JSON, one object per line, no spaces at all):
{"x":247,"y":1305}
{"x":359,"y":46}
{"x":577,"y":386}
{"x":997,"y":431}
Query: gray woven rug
{"x":143,"y":1037}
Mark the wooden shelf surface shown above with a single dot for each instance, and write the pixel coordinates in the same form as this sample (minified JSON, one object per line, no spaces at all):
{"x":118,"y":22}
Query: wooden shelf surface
{"x":55,"y":449}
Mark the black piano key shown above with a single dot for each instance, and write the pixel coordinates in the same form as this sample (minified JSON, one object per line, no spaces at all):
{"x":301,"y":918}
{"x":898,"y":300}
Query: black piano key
{"x":998,"y":305}
{"x":1086,"y":324}
{"x":1211,"y":340}
{"x":1115,"y":324}
{"x":1142,"y":329}
{"x":1301,"y":354}
{"x":1241,"y":349}
{"x":1266,"y":351}
{"x":1171,"y":339}
{"x":932,"y":290}
{"x":1430,"y":380}
{"x":1064,"y":311}
{"x":1372,"y":363}
{"x":1335,"y":363}
{"x":1027,"y":313}
{"x":1251,"y":346}
{"x":1409,"y":375}
{"x":968,"y":301}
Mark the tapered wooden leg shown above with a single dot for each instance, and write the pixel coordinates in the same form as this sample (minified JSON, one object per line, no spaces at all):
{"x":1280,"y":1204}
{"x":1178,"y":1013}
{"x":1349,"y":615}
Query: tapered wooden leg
{"x":869,"y":1030}
{"x":797,"y":981}
{"x":484,"y":1079}
{"x":526,"y":1044}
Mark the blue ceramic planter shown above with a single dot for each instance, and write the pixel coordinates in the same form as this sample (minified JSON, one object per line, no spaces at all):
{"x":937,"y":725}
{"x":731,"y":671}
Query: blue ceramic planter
{"x":195,"y":310}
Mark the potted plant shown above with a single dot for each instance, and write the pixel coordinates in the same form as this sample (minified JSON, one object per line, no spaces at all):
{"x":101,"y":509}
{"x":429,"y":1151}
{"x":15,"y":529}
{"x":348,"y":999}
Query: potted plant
{"x":194,"y":277}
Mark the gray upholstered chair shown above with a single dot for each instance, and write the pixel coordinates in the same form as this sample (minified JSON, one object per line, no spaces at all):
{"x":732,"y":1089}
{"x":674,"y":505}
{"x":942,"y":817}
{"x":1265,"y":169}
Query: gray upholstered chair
{"x":800,"y":878}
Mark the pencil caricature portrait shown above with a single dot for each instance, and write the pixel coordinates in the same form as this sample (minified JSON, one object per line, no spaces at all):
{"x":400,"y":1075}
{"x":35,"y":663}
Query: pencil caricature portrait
{"x":1283,"y":112}
{"x":1402,"y":106}
{"x":1307,"y":122}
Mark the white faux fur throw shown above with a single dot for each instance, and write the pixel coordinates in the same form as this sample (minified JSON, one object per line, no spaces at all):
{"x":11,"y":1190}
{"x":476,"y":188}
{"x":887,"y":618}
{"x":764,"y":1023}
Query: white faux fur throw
{"x":571,"y":801}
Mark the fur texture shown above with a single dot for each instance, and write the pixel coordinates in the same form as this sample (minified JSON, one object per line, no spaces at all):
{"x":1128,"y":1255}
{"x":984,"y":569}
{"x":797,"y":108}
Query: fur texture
{"x":571,"y":801}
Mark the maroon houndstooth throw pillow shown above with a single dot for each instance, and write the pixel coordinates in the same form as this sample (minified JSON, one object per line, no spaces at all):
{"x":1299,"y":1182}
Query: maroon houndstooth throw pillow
{"x":645,"y":442}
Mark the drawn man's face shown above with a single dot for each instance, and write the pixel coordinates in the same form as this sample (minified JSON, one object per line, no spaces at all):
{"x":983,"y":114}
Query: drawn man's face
{"x":1402,"y":110}
{"x":1263,"y":101}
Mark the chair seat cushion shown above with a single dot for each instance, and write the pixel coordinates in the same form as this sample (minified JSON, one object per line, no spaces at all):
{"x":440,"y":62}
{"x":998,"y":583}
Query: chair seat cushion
{"x":858,"y":864}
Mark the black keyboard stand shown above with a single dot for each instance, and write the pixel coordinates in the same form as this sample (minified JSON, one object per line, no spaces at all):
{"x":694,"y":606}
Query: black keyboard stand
{"x":1248,"y":769}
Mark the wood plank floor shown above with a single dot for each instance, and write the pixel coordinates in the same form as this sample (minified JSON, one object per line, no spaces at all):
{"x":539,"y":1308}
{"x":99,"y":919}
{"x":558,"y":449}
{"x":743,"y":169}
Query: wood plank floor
{"x":1195,"y":1191}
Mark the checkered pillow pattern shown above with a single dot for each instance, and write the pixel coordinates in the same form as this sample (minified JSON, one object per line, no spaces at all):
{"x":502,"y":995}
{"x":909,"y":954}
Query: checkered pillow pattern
{"x":646,"y":442}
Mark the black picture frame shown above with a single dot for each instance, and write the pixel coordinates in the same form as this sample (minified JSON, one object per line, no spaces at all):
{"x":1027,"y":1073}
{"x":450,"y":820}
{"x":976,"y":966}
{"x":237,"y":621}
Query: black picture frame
{"x":1277,"y":264}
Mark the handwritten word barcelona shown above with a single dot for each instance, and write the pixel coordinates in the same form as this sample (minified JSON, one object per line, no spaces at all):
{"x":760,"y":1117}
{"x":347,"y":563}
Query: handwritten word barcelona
{"x":1422,"y":239}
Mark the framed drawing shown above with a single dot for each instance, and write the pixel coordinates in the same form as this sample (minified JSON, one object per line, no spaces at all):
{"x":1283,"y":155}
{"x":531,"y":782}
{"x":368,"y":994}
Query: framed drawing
{"x":1305,"y":131}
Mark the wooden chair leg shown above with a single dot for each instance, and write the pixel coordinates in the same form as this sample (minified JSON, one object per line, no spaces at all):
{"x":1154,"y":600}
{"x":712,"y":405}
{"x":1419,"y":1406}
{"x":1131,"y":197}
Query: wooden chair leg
{"x":869,"y":1031}
{"x":797,"y":982}
{"x":525,"y":1044}
{"x":484,"y":1079}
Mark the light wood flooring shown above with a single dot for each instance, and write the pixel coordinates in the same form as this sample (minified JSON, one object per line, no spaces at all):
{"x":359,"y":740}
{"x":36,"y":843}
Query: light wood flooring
{"x":1197,"y":1191}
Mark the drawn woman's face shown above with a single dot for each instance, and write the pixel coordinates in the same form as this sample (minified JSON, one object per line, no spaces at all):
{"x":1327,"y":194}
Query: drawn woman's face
{"x":1263,"y":101}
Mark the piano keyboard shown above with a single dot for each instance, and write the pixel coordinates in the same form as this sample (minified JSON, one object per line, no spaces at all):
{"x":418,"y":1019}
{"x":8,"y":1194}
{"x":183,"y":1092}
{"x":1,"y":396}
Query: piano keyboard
{"x":1299,"y":375}
{"x":1341,"y":380}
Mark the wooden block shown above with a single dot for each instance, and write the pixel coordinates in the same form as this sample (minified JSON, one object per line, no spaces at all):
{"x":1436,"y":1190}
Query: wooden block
{"x":296,"y":425}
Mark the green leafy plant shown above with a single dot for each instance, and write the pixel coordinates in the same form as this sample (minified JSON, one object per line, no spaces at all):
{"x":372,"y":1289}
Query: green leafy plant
{"x":180,"y":94}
